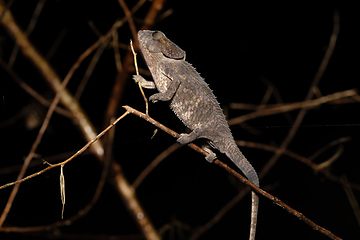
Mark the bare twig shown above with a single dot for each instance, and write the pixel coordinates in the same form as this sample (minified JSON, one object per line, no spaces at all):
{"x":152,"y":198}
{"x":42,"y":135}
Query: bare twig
{"x":172,"y":148}
{"x":90,"y":69}
{"x":115,"y":44}
{"x":219,"y":215}
{"x":329,"y":145}
{"x":139,"y":84}
{"x":52,"y":50}
{"x":29,"y":29}
{"x":135,"y":60}
{"x":37,"y":96}
{"x":293,"y":106}
{"x":128,"y":15}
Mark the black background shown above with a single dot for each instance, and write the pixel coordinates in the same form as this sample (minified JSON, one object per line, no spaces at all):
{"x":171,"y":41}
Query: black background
{"x":235,"y":46}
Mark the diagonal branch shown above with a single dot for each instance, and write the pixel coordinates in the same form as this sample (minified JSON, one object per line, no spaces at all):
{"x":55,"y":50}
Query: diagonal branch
{"x":237,"y":175}
{"x":196,"y":148}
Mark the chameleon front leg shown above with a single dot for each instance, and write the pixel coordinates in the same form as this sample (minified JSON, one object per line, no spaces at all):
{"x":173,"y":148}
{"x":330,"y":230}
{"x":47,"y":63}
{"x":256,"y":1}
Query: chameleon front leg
{"x":166,"y":96}
{"x":143,"y":82}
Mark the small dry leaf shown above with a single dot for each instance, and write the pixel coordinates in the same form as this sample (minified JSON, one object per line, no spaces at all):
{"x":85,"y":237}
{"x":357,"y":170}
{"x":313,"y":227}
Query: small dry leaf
{"x":155,"y":131}
{"x":62,"y":190}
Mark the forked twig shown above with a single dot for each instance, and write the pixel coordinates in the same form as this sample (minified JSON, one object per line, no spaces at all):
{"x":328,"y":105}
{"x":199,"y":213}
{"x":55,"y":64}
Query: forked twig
{"x":70,"y":158}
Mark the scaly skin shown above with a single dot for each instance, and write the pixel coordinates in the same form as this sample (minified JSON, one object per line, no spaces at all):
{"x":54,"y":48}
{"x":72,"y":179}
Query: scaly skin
{"x":193,"y":103}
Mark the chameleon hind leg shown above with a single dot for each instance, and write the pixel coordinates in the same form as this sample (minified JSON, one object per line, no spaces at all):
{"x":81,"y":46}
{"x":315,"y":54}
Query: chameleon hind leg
{"x":190,"y":137}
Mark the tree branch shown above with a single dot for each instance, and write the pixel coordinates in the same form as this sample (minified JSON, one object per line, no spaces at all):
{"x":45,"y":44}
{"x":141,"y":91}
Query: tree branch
{"x":237,"y":175}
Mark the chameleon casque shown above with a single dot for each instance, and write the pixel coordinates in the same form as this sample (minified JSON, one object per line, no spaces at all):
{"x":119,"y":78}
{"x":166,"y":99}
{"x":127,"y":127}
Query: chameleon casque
{"x":193,"y":102}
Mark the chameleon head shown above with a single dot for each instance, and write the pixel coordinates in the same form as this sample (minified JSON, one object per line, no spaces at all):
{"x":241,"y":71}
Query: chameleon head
{"x":156,"y":42}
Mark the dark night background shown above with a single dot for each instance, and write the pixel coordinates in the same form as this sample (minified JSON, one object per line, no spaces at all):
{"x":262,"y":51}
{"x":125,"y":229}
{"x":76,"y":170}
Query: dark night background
{"x":235,"y":46}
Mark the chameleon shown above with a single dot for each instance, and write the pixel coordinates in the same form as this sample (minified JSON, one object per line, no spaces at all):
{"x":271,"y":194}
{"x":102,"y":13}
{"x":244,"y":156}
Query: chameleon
{"x":193,"y":102}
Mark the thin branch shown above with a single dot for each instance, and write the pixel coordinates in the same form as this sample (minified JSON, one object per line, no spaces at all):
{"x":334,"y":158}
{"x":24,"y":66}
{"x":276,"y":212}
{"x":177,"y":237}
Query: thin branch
{"x":237,"y":175}
{"x":302,"y":159}
{"x":37,"y":96}
{"x":327,"y":146}
{"x":198,"y":149}
{"x":172,"y":148}
{"x":28,"y":30}
{"x":278,"y":202}
{"x":5,"y":8}
{"x":292,"y":106}
{"x":219,"y":215}
{"x":52,"y":50}
{"x":230,"y":204}
{"x":128,"y":15}
{"x":90,"y":69}
{"x":51,"y":166}
{"x":139,"y":84}
{"x":352,"y":199}
{"x":82,"y":212}
{"x":115,"y":46}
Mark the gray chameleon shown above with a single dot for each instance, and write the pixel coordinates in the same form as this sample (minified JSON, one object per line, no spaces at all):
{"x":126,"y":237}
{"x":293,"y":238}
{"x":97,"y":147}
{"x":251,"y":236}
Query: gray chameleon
{"x":193,"y":102}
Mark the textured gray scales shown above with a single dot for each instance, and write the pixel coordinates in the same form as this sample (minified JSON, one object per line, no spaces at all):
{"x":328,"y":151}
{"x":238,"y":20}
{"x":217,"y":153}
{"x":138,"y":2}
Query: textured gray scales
{"x":193,"y":102}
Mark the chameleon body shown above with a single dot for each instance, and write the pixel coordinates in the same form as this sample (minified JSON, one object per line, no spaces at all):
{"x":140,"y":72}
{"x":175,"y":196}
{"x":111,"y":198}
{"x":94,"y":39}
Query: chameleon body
{"x":193,"y":102}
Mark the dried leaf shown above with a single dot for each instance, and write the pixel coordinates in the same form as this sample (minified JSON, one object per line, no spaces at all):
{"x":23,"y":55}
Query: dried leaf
{"x":155,"y":131}
{"x":62,"y":190}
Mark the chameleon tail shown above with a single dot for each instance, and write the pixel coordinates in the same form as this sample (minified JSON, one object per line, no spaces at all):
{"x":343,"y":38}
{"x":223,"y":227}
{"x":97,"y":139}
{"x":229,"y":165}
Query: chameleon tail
{"x":234,"y":153}
{"x":254,"y":214}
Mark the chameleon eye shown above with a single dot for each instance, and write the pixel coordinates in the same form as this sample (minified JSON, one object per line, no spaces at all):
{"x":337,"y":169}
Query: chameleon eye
{"x":157,"y":35}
